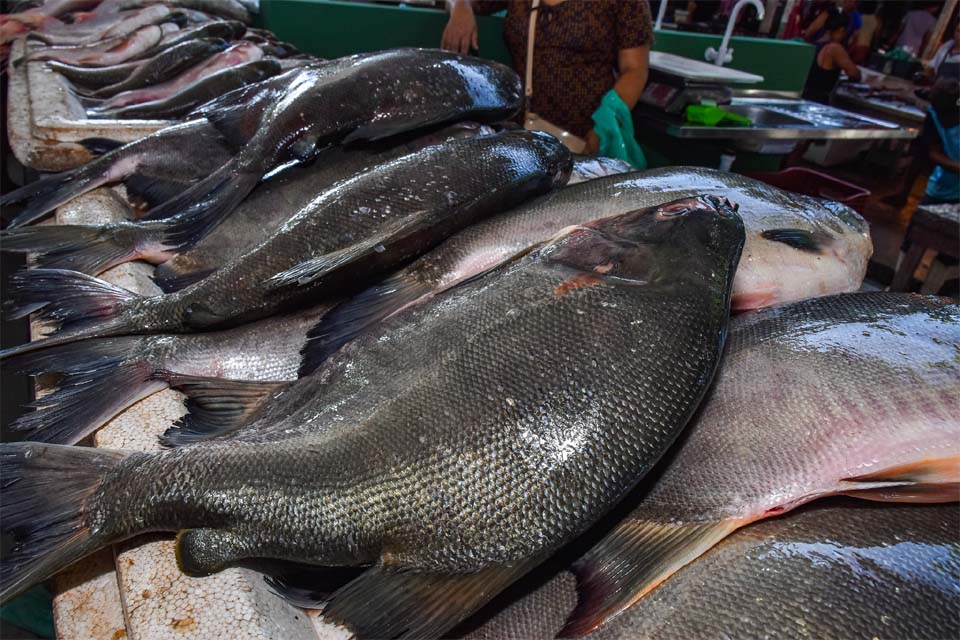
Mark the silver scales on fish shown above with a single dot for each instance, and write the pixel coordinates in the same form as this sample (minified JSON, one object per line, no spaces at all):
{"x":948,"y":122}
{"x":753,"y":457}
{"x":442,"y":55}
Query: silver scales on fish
{"x":443,"y":377}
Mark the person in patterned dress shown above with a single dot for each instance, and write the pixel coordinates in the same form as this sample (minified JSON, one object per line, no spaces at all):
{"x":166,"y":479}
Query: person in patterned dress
{"x":582,"y":49}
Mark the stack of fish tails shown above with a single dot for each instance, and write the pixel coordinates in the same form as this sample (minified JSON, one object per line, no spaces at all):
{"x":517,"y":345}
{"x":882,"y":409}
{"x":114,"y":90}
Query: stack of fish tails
{"x":409,"y":349}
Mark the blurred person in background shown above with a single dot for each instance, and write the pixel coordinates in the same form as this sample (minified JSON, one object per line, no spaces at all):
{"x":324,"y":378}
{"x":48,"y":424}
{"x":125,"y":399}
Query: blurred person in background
{"x":915,"y":28}
{"x":941,"y":137}
{"x":945,"y":63}
{"x":830,"y":59}
{"x":582,"y":50}
{"x":862,"y":44}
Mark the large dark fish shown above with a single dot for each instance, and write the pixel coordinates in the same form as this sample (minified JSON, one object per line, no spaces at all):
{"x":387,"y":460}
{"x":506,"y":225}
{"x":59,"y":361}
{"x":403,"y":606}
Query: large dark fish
{"x":156,"y":167}
{"x":99,"y":378}
{"x":797,"y":247}
{"x":271,"y":204}
{"x":834,"y":572}
{"x":557,"y":383}
{"x":165,"y":65}
{"x":187,"y":99}
{"x":364,"y":97}
{"x":236,"y":55}
{"x":352,"y":233}
{"x":851,"y":394}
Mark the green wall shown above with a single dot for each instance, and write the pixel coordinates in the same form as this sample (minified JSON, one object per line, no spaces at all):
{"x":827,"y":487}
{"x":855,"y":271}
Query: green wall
{"x":330,"y":29}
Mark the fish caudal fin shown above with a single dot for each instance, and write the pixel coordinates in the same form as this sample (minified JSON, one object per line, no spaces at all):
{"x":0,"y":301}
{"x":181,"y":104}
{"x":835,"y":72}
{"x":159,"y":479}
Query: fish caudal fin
{"x":49,"y":192}
{"x":385,"y":603}
{"x":631,"y":561}
{"x":214,"y":407}
{"x":169,"y":280}
{"x":46,"y":489}
{"x":930,"y":480}
{"x":90,"y":249}
{"x":198,"y":210}
{"x":98,"y":379}
{"x":356,"y":316}
{"x":80,"y":305}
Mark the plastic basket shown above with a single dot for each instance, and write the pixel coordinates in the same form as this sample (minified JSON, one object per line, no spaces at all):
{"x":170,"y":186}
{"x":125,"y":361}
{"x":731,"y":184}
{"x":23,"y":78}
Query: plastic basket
{"x":814,"y":183}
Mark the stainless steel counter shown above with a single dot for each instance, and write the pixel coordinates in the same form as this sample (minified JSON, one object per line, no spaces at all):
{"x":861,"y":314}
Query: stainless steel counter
{"x":783,"y":120}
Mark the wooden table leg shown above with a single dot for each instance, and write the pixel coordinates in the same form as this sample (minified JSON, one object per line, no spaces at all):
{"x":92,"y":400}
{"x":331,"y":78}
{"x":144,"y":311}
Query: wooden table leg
{"x":901,"y":279}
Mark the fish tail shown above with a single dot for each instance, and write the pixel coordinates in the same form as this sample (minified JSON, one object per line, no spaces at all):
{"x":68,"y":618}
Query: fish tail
{"x":170,"y":280}
{"x":97,"y":380}
{"x":89,"y":249}
{"x":203,"y":206}
{"x":49,"y":192}
{"x":80,"y":305}
{"x":47,"y":490}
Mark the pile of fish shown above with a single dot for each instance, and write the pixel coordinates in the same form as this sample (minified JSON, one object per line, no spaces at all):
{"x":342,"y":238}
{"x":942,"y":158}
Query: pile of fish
{"x":501,"y":386}
{"x":148,"y":59}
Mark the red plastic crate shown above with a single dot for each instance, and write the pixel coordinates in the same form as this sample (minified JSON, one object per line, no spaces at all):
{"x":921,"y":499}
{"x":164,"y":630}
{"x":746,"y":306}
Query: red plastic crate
{"x":814,"y":183}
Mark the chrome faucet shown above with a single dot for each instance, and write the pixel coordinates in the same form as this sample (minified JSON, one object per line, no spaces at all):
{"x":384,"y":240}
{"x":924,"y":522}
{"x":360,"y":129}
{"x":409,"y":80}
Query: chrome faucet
{"x":725,"y":54}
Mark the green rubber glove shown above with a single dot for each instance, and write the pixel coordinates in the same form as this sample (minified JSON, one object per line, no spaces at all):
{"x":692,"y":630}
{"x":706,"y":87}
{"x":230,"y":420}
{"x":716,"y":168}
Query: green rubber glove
{"x":613,"y":124}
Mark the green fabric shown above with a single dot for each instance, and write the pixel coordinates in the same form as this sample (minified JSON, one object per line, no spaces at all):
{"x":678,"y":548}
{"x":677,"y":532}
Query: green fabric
{"x":32,"y":611}
{"x":613,"y":124}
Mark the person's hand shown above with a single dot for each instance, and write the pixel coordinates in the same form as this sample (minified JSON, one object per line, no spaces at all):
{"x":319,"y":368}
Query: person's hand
{"x":592,"y":147}
{"x":461,"y":31}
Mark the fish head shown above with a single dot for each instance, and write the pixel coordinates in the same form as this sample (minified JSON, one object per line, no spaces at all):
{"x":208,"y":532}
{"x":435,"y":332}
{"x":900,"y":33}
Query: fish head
{"x":692,"y":240}
{"x":556,"y":158}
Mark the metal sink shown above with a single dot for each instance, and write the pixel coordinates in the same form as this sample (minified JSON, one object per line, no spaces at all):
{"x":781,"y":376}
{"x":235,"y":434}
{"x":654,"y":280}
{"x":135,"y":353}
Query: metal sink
{"x":763,"y":117}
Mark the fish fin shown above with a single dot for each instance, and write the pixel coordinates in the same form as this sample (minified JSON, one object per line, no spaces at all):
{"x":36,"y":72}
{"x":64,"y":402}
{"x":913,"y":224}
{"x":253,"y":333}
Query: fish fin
{"x":204,"y":205}
{"x":45,"y":492}
{"x":100,"y":146}
{"x":927,"y":480}
{"x":203,"y":552}
{"x":214,"y":407}
{"x":51,"y":191}
{"x":98,"y":379}
{"x":89,"y":249}
{"x":80,"y":305}
{"x":801,"y":239}
{"x":373,"y":131}
{"x":153,"y":191}
{"x":236,"y":115}
{"x":632,"y":560}
{"x":355,"y":316}
{"x":387,"y":603}
{"x":170,"y":281}
{"x":309,"y":587}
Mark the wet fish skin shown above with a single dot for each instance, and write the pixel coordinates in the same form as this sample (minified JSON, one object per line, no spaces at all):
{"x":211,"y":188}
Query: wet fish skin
{"x":103,"y":54}
{"x":164,"y":65}
{"x":99,"y":28}
{"x":547,"y":454}
{"x":593,"y":167}
{"x":273,"y":202}
{"x":235,"y":55}
{"x":363,"y":97}
{"x":838,"y":571}
{"x":849,"y":394}
{"x":99,"y":378}
{"x":369,"y":223}
{"x":770,"y":273}
{"x":184,"y":101}
{"x":142,"y":163}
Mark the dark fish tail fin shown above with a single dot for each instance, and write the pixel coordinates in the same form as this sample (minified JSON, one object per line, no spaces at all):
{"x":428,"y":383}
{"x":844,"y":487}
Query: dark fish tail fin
{"x":151,"y":191}
{"x":169,"y":280}
{"x":417,"y":604}
{"x":632,"y":560}
{"x":204,"y":205}
{"x":46,"y":493}
{"x":358,"y":315}
{"x":98,"y":379}
{"x":100,"y":146}
{"x":215,"y":407}
{"x":80,"y":305}
{"x":89,"y":249}
{"x":49,"y":192}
